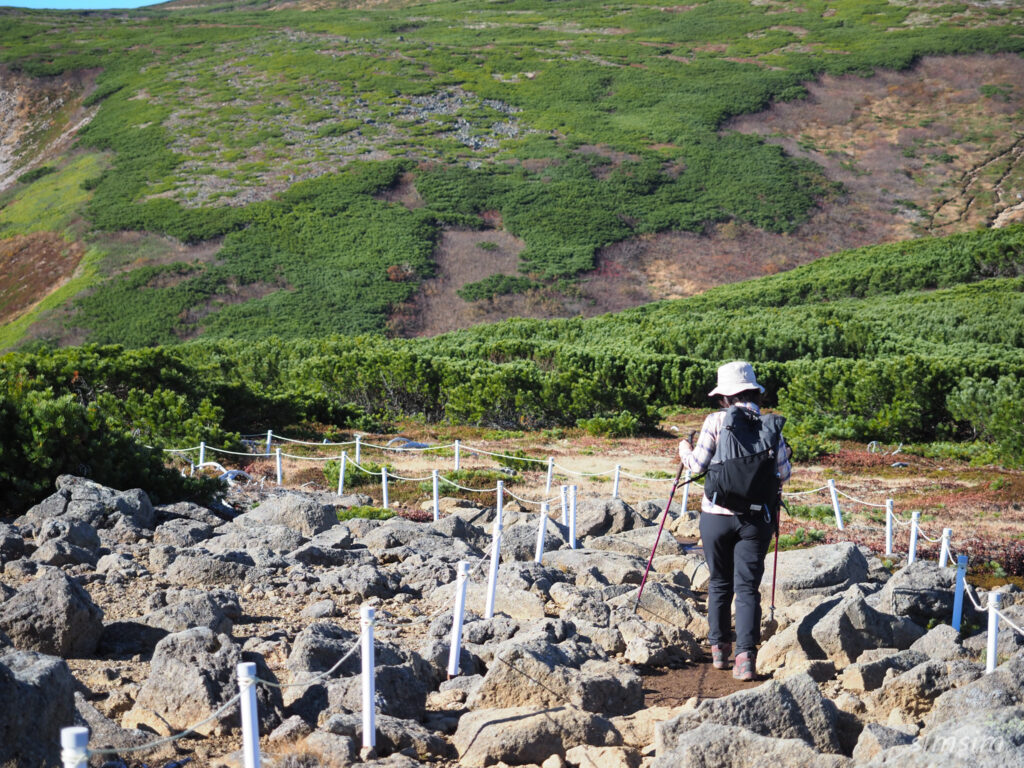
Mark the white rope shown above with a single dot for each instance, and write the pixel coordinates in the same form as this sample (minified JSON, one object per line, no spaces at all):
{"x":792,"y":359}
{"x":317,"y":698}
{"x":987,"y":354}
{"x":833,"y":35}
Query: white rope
{"x":897,"y":520}
{"x":362,"y":469}
{"x":311,"y":458}
{"x":970,"y":593}
{"x":410,"y":479}
{"x":860,"y":501}
{"x":624,"y":473}
{"x":552,"y":500}
{"x":177,"y":450}
{"x":398,"y":449}
{"x":306,"y":442}
{"x":582,"y":474}
{"x":244,"y":453}
{"x":1017,"y":629}
{"x":319,"y":677}
{"x":929,"y":538}
{"x":470,"y":490}
{"x":805,"y":493}
{"x":505,"y":455}
{"x":168,"y":739}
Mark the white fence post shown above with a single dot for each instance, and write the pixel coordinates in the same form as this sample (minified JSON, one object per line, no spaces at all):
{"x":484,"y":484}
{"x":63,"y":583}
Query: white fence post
{"x":888,"y":526}
{"x":384,"y":486}
{"x":958,"y":595}
{"x":458,"y":615}
{"x":341,"y":472}
{"x":551,"y":475}
{"x":615,"y":484}
{"x":835,"y":503}
{"x":541,"y":530}
{"x":912,"y":549}
{"x":435,"y":480}
{"x":563,"y":492}
{"x":499,"y":503}
{"x":74,"y":743}
{"x":947,"y":533}
{"x":492,"y":576}
{"x":280,"y":474}
{"x":572,"y":517}
{"x":250,"y":715}
{"x":359,"y":446}
{"x":994,"y":599}
{"x":458,"y":455}
{"x":686,"y":493}
{"x":202,"y":453}
{"x":369,"y":683}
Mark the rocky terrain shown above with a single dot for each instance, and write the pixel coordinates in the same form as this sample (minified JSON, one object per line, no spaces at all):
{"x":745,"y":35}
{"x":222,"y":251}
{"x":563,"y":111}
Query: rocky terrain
{"x":131,"y":618}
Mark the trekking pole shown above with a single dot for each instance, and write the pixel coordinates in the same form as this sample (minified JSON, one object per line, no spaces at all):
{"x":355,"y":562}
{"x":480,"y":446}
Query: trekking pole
{"x":657,"y":539}
{"x":772,"y":625}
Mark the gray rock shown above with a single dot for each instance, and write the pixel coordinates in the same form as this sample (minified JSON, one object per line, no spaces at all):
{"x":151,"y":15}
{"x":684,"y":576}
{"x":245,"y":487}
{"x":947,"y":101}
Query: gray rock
{"x":690,"y":571}
{"x":301,"y":512}
{"x":401,"y":691}
{"x":1008,"y":643}
{"x":814,"y":572}
{"x":869,"y":675}
{"x":187,"y":510}
{"x":393,"y":735}
{"x":12,"y":544}
{"x":596,"y":516}
{"x":416,"y":538}
{"x":217,"y":611}
{"x":52,"y":614}
{"x":941,"y":643}
{"x":80,"y":499}
{"x":593,"y":568}
{"x":182,"y":533}
{"x":457,"y":527}
{"x":321,"y":609}
{"x":292,"y":729}
{"x":913,"y":692}
{"x":853,"y":626}
{"x":923,"y":592}
{"x":104,"y":732}
{"x":191,"y":674}
{"x":638,"y":543}
{"x":255,"y":539}
{"x":71,"y":531}
{"x":519,"y":541}
{"x":333,"y":750}
{"x":36,"y":701}
{"x":195,"y":569}
{"x":988,"y":739}
{"x":539,"y":673}
{"x":61,"y":554}
{"x":662,"y":604}
{"x":524,"y":735}
{"x":792,"y":709}
{"x":875,"y":739}
{"x":727,"y":746}
{"x":124,"y":639}
{"x":318,"y":647}
{"x":363,"y":580}
{"x":1002,"y":688}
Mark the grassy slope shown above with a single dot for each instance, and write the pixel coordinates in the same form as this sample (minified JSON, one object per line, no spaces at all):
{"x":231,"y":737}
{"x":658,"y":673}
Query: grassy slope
{"x":203,"y":108}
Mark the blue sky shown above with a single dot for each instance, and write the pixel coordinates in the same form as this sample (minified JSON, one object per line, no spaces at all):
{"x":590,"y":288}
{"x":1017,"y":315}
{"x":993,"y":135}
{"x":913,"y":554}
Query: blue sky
{"x":76,"y":5}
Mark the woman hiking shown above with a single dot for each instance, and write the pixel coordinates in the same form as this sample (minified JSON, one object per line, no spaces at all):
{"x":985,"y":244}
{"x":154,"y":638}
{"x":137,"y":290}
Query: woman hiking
{"x":747,"y":460}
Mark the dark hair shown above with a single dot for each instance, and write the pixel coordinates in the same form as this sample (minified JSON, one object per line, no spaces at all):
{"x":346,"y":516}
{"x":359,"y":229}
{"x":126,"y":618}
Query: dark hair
{"x":746,"y":396}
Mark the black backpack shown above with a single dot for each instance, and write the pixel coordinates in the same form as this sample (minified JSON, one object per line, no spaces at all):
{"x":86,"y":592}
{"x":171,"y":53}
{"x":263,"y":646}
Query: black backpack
{"x":743,"y":474}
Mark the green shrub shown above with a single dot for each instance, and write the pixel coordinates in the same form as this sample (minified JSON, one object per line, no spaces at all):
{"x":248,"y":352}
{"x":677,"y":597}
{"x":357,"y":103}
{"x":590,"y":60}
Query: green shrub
{"x":365,"y":513}
{"x":354,"y":478}
{"x":624,"y":424}
{"x":994,"y":412}
{"x":801,"y":537}
{"x":36,"y":173}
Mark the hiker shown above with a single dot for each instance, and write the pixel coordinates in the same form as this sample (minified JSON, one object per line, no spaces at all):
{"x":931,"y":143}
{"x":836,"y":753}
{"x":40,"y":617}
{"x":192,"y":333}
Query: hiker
{"x":736,"y":526}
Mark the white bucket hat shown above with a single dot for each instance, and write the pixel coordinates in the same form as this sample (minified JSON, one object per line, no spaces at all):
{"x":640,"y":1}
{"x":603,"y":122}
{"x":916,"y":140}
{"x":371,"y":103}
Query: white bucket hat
{"x":734,"y":378}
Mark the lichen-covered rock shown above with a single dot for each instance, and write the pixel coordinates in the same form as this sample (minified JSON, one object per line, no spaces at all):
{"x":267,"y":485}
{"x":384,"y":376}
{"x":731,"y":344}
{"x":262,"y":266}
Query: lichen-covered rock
{"x":52,"y":614}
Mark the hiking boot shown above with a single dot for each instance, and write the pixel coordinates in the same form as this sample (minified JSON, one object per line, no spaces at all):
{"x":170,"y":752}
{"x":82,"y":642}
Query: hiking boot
{"x":720,"y":655}
{"x":744,"y":667}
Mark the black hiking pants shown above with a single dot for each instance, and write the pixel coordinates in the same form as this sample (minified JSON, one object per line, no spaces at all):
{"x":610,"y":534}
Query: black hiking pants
{"x":735,"y":547}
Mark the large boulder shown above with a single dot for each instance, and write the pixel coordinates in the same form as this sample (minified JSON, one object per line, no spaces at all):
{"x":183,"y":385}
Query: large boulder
{"x":729,"y":746}
{"x":393,"y":735}
{"x":853,"y":627}
{"x":868,"y":675}
{"x":182,"y":532}
{"x":592,"y":568}
{"x":54,"y":615}
{"x":1002,"y":688}
{"x":191,"y":675}
{"x":792,"y":709}
{"x":199,"y":569}
{"x":524,"y":735}
{"x":661,"y":604}
{"x":814,"y":572}
{"x":986,"y":739}
{"x":301,"y":512}
{"x":914,"y":692}
{"x":638,"y":543}
{"x":519,"y":541}
{"x":923,"y":592}
{"x":598,"y":516}
{"x":80,"y":499}
{"x":36,"y":701}
{"x":217,"y":610}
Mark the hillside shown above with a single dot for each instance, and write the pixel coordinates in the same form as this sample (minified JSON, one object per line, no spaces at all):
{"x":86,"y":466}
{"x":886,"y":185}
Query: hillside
{"x":191,"y":170}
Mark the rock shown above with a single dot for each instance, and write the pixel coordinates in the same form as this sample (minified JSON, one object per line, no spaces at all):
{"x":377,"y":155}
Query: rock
{"x":539,"y":673}
{"x":523,"y":735}
{"x":217,"y":611}
{"x":187,"y":510}
{"x":603,"y":757}
{"x":71,"y":531}
{"x":261,"y":542}
{"x":321,"y":609}
{"x":80,"y":499}
{"x":182,"y":532}
{"x":661,"y":604}
{"x":594,"y":568}
{"x":597,"y":516}
{"x":104,"y":732}
{"x":638,"y":543}
{"x":914,"y":691}
{"x":637,"y":729}
{"x":300,"y":512}
{"x":1003,"y":687}
{"x":194,"y":569}
{"x":852,"y":627}
{"x":191,"y":675}
{"x":416,"y":538}
{"x":330,"y":749}
{"x":875,"y":739}
{"x":401,"y":691}
{"x":519,"y":541}
{"x":364,"y":581}
{"x":52,"y":614}
{"x":124,"y":639}
{"x":690,"y":571}
{"x":12,"y":544}
{"x":728,"y":746}
{"x":1008,"y":643}
{"x":292,"y":729}
{"x":393,"y":735}
{"x":988,"y":739}
{"x":869,"y":675}
{"x":61,"y":554}
{"x":36,"y":701}
{"x":814,"y":572}
{"x":923,"y":592}
{"x":793,"y":709}
{"x":941,"y":643}
{"x":457,"y":527}
{"x":318,"y":647}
